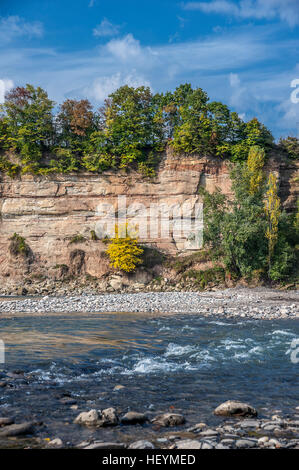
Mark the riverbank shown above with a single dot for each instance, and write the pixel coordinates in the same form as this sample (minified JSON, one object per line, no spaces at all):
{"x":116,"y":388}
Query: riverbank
{"x":257,"y":303}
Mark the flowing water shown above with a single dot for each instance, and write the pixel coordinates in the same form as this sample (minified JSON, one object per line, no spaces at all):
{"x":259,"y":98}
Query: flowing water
{"x":185,"y":363}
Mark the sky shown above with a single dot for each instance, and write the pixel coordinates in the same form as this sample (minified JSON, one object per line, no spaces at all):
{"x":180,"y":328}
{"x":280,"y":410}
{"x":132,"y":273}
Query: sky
{"x":243,"y":53}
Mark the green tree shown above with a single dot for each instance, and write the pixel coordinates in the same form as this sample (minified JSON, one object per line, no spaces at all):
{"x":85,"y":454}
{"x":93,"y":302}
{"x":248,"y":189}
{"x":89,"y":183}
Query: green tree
{"x":29,"y":122}
{"x":290,"y":146}
{"x":130,"y":127}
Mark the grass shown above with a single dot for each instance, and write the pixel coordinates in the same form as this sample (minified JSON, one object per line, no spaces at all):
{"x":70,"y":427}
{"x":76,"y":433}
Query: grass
{"x":78,"y":238}
{"x":204,"y":277}
{"x":182,"y":263}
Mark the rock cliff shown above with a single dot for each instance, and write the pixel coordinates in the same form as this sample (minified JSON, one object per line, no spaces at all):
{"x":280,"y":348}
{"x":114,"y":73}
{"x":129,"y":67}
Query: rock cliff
{"x":50,"y":211}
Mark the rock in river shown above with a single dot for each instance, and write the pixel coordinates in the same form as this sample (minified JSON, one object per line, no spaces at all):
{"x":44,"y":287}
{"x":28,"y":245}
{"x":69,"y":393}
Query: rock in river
{"x":17,"y":429}
{"x":141,"y":445}
{"x":188,"y":444}
{"x":235,"y":408}
{"x":107,"y":417}
{"x":132,"y":417}
{"x":169,"y":419}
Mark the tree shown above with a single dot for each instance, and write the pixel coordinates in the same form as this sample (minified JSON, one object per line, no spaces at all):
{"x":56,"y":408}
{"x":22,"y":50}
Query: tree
{"x":255,"y":164}
{"x":123,"y":251}
{"x":29,"y":122}
{"x":130,"y":126}
{"x":75,"y":120}
{"x":290,"y":145}
{"x":272,"y":209}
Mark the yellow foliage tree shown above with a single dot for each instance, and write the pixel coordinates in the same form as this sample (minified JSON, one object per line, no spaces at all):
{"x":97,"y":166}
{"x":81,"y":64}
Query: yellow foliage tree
{"x":123,"y":251}
{"x":272,"y":209}
{"x":255,"y":164}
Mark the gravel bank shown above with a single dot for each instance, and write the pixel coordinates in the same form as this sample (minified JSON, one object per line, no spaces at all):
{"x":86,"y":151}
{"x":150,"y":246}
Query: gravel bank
{"x":257,"y":303}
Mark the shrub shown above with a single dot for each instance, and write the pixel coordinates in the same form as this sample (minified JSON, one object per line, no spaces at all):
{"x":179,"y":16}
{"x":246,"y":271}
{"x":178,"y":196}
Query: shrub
{"x":124,"y":252}
{"x":18,"y":246}
{"x":78,"y":238}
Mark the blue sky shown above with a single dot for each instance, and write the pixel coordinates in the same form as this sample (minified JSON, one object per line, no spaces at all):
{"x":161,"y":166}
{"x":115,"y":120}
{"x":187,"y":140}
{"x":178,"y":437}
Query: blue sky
{"x":242,"y":52}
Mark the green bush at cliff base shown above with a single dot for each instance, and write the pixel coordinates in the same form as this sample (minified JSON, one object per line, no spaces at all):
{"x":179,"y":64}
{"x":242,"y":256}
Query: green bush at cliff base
{"x":213,"y":275}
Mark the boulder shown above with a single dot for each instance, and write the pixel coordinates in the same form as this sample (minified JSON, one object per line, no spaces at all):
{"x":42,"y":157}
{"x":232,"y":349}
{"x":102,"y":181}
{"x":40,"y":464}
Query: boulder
{"x":169,"y":419}
{"x":17,"y":429}
{"x":141,"y":445}
{"x":6,"y":421}
{"x":188,"y":444}
{"x":88,"y":418}
{"x":246,"y":443}
{"x":235,"y":409}
{"x":132,"y":417}
{"x":107,"y":417}
{"x":55,"y":443}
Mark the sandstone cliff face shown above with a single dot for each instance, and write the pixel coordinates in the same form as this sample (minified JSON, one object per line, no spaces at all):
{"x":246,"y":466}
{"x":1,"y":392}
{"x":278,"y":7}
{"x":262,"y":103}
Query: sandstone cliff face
{"x":49,"y":211}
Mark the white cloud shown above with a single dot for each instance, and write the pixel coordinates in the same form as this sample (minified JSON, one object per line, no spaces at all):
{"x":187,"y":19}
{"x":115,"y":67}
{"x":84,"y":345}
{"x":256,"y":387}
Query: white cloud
{"x":285,"y":10}
{"x":249,"y":70}
{"x":12,"y":27}
{"x":105,"y":28}
{"x":125,"y":48}
{"x":103,"y":86}
{"x":5,"y":86}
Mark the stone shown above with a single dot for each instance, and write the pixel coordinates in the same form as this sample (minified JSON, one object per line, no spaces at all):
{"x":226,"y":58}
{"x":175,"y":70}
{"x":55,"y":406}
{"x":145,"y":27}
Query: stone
{"x":88,"y":418}
{"x":17,"y":429}
{"x":261,"y":441}
{"x":169,"y":419}
{"x":118,"y":387}
{"x":207,"y":445}
{"x":221,"y":446}
{"x":227,"y":442}
{"x":235,"y":408}
{"x":68,"y":401}
{"x":56,"y":443}
{"x":142,"y":444}
{"x":105,"y":445}
{"x":132,"y":417}
{"x":188,"y":444}
{"x":249,"y":423}
{"x":6,"y":421}
{"x":197,"y":427}
{"x":107,"y":417}
{"x":116,"y":283}
{"x":208,"y":433}
{"x":245,"y":443}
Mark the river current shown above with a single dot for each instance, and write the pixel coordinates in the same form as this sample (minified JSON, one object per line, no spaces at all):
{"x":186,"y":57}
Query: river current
{"x":185,"y":363}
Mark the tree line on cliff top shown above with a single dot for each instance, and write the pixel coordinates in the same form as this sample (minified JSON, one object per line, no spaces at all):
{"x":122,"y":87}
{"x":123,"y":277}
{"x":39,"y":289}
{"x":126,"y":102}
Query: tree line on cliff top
{"x":131,"y":129}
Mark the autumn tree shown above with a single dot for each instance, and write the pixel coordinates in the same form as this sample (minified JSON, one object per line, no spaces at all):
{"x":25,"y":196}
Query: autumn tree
{"x":75,"y":121}
{"x":272,"y":209}
{"x":123,"y":250}
{"x":255,"y":164}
